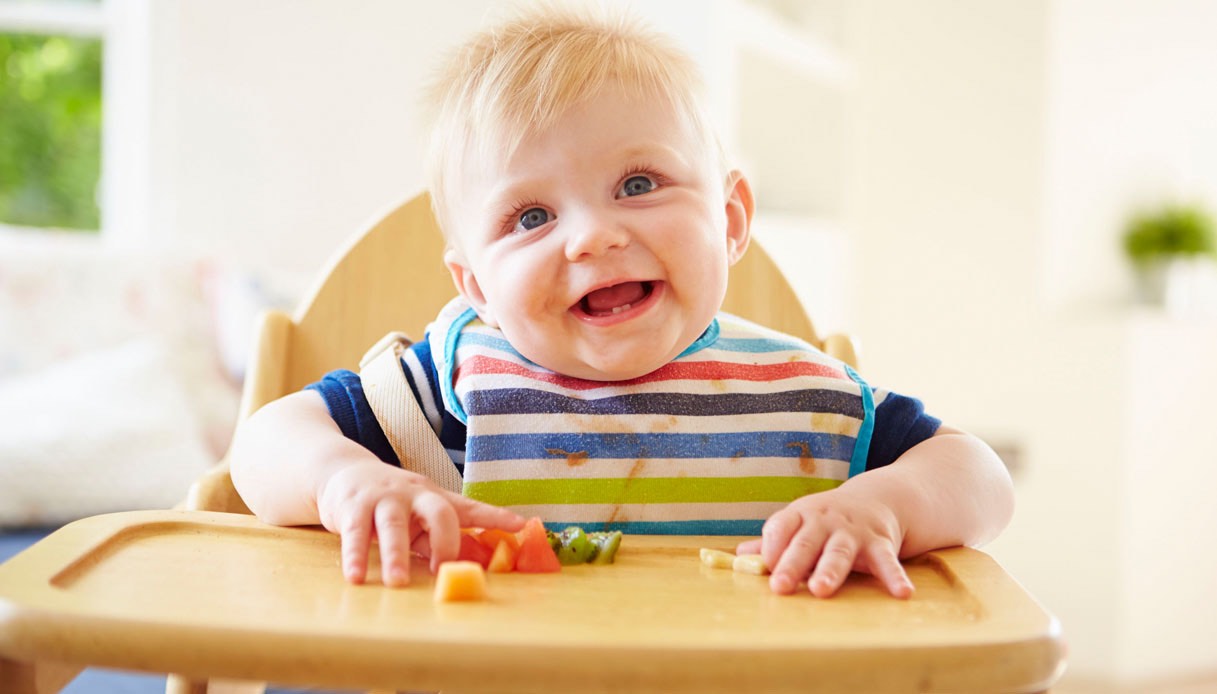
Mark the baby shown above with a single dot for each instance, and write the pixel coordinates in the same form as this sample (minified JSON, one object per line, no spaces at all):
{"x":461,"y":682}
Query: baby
{"x":585,"y":374}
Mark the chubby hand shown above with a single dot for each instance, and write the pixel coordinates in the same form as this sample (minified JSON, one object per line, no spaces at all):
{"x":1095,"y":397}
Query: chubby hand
{"x":821,"y":537}
{"x":404,"y":512}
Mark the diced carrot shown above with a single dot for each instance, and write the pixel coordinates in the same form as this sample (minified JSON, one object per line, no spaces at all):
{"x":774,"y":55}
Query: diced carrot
{"x":460,"y":580}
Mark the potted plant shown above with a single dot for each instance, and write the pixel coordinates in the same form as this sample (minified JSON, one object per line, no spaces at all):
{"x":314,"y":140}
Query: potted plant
{"x":1165,"y":241}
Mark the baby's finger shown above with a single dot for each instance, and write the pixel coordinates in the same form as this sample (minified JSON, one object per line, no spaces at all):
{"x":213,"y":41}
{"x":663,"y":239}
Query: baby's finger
{"x":355,"y":529}
{"x":476,"y":514}
{"x":884,"y":565}
{"x":834,"y":565}
{"x":749,"y":547}
{"x":442,"y":525}
{"x":796,"y":559}
{"x":392,"y":516}
{"x":777,"y":533}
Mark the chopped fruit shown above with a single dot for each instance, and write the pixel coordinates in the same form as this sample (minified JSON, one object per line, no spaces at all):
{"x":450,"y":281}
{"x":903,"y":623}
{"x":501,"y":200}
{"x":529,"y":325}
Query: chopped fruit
{"x":472,"y":550}
{"x":504,"y":558}
{"x":717,"y":559}
{"x":535,"y":555}
{"x":750,"y":564}
{"x":606,"y":545}
{"x":537,"y":550}
{"x":460,"y":580}
{"x":491,"y":537}
{"x":573,"y":546}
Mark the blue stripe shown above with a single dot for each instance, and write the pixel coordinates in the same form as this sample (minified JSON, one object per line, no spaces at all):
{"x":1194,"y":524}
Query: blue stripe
{"x":759,"y":444}
{"x":454,"y":333}
{"x":757,"y":345}
{"x":697,"y":527}
{"x":857,"y":462}
{"x":497,"y":343}
{"x":708,"y":336}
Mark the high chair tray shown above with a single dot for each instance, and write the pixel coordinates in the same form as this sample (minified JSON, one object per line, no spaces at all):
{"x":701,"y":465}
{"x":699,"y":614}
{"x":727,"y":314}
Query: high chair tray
{"x":222,"y":595}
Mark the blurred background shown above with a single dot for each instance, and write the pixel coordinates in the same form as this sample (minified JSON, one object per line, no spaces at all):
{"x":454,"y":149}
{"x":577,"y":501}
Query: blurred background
{"x":1008,"y":202}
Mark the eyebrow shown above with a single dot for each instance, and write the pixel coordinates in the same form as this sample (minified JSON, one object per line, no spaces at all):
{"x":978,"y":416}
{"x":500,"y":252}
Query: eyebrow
{"x":507,"y":193}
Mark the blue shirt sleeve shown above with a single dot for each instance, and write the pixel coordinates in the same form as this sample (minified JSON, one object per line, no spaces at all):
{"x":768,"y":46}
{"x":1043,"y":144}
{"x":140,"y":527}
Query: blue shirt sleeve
{"x":343,"y":393}
{"x":900,"y":423}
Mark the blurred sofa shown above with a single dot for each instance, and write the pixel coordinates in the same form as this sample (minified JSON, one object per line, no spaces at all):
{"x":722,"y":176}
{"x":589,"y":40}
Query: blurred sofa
{"x":119,"y":375}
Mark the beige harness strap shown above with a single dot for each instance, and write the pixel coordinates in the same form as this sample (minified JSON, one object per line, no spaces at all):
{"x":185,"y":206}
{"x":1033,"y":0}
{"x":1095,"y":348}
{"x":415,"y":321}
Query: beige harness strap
{"x":399,"y":414}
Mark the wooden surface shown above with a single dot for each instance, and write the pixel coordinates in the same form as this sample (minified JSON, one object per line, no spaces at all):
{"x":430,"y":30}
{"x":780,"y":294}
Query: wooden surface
{"x":209,"y":594}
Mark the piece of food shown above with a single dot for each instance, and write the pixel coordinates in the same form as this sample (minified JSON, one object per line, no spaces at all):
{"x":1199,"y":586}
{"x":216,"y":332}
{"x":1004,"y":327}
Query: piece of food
{"x":535,"y":554}
{"x":460,"y":580}
{"x":491,"y":537}
{"x":472,"y":550}
{"x":504,"y":558}
{"x":717,"y":559}
{"x":573,"y":546}
{"x":605,"y":546}
{"x":750,"y":564}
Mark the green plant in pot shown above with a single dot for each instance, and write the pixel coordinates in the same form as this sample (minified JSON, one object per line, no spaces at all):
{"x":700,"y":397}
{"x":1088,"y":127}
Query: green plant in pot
{"x":1167,"y":236}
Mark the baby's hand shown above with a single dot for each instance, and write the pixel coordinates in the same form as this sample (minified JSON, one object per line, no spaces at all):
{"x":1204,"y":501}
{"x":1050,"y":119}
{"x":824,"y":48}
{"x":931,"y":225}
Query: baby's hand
{"x":404,"y":511}
{"x":821,"y":537}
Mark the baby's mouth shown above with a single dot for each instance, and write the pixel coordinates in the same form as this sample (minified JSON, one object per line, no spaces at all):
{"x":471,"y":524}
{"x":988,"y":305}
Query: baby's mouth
{"x":610,"y":301}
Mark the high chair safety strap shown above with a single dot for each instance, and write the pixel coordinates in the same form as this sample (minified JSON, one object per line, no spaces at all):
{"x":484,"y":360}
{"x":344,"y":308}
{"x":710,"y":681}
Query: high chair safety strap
{"x":399,"y":415}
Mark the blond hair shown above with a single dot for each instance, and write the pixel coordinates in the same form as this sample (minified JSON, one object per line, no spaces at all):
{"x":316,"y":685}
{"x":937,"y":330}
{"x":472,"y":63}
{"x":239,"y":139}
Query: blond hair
{"x":522,"y":75}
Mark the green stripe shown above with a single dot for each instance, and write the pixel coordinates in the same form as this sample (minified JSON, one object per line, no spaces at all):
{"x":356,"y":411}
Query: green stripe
{"x":646,"y":490}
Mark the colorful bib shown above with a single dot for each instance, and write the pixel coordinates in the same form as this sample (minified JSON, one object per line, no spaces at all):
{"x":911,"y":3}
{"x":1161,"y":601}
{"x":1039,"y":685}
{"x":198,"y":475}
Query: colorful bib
{"x":742,"y":423}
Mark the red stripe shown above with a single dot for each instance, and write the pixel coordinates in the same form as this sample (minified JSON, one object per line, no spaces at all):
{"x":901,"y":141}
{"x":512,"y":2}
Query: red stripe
{"x":675,"y":371}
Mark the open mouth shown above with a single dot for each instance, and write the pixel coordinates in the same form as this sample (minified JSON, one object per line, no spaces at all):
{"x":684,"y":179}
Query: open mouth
{"x":615,"y":300}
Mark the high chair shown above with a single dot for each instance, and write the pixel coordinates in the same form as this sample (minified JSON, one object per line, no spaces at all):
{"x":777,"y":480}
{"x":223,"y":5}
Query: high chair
{"x":219,"y":595}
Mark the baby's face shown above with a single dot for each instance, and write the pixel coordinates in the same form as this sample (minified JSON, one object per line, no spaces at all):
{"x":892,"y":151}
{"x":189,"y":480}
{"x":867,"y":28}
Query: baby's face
{"x":601,"y":247}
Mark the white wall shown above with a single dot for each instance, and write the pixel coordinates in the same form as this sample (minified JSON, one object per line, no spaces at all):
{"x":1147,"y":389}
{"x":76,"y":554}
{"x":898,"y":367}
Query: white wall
{"x":1001,"y":144}
{"x":1133,"y":100}
{"x":288,"y":124}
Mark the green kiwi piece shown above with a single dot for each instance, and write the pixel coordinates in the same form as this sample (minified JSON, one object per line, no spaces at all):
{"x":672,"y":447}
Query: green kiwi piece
{"x":606,"y":545}
{"x":574,"y":546}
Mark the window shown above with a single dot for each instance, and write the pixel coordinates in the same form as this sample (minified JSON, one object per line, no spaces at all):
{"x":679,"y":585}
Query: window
{"x":51,"y":57}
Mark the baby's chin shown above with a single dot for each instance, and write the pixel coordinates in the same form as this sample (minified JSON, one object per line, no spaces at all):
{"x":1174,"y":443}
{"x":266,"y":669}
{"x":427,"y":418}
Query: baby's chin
{"x":604,"y":369}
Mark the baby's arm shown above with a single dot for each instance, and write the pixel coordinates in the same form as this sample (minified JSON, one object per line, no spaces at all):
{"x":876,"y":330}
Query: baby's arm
{"x":950,"y":489}
{"x":293,"y":466}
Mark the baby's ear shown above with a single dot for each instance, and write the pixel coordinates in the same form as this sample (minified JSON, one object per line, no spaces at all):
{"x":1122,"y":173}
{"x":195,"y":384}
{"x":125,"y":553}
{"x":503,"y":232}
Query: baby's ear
{"x":467,"y":285}
{"x":740,"y":207}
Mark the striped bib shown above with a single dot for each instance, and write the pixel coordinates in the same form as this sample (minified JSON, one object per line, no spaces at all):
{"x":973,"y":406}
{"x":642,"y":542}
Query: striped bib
{"x":743,"y":422}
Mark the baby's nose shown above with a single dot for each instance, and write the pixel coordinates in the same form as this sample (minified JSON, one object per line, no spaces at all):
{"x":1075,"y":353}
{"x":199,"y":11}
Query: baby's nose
{"x":594,"y":236}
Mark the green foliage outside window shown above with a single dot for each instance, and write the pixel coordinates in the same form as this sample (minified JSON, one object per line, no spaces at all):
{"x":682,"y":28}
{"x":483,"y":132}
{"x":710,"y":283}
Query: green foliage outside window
{"x":50,"y":130}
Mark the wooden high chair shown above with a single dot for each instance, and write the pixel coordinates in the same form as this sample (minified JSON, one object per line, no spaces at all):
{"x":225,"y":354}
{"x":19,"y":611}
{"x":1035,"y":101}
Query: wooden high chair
{"x":218,"y":595}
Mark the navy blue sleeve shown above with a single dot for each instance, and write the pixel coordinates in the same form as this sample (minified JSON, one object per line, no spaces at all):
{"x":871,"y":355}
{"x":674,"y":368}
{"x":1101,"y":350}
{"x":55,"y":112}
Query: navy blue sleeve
{"x":343,"y":394}
{"x":900,"y":424}
{"x":342,"y":391}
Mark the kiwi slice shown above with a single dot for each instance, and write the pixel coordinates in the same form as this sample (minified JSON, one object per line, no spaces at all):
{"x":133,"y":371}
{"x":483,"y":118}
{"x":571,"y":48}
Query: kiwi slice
{"x":606,"y":545}
{"x":574,"y":546}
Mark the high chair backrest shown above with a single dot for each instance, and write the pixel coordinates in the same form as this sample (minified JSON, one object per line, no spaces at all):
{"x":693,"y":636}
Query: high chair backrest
{"x":392,"y":277}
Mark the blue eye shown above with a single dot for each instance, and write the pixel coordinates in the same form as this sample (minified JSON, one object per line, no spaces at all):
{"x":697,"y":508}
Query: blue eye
{"x":532,"y":218}
{"x":636,"y":185}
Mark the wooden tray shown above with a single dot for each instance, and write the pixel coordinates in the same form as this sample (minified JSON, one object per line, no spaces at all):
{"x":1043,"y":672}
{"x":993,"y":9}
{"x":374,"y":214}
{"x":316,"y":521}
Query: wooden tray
{"x":222,"y":595}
